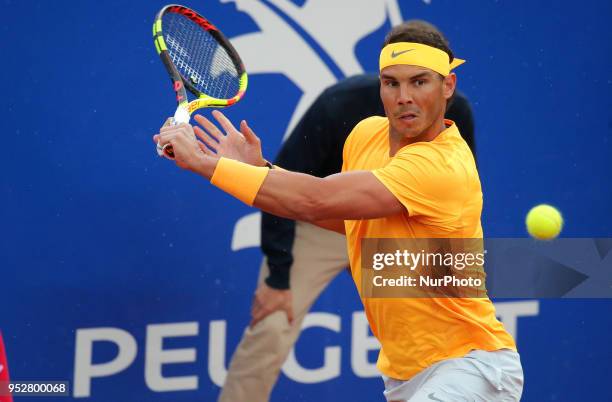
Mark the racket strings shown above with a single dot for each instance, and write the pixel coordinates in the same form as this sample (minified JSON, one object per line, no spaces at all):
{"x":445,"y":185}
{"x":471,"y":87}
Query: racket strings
{"x":200,"y":58}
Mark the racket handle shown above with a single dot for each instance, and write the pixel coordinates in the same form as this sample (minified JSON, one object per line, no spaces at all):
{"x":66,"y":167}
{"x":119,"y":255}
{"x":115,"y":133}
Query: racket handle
{"x":180,"y":116}
{"x":165,"y":151}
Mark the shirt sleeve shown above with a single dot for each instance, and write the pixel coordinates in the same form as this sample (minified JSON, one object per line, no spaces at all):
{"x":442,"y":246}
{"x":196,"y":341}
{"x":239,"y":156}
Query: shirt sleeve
{"x":277,"y":236}
{"x":308,"y":149}
{"x":425,"y":184}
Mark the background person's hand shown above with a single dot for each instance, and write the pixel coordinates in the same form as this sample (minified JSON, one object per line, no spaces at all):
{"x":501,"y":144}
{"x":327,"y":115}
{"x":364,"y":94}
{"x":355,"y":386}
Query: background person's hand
{"x":267,"y":300}
{"x":243,"y":145}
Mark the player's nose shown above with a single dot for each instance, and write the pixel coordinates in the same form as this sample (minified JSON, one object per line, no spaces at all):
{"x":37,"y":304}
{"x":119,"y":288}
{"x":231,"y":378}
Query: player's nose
{"x":404,"y":95}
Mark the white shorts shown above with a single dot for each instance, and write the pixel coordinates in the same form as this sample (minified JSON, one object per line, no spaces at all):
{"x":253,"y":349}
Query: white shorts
{"x":477,"y":376}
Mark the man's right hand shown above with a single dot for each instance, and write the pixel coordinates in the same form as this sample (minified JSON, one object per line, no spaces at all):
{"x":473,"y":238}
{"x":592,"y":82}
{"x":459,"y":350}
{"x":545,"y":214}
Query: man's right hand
{"x":267,"y":300}
{"x":242,"y":145}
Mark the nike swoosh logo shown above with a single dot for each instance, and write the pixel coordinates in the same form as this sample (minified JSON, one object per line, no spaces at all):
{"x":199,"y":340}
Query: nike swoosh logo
{"x":433,"y":397}
{"x":394,"y":54}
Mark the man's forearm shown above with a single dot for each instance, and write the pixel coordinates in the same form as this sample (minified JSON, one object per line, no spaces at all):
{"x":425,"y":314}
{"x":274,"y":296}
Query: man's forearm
{"x":341,"y":196}
{"x":298,"y":196}
{"x":291,"y":195}
{"x":287,"y":194}
{"x":335,"y":225}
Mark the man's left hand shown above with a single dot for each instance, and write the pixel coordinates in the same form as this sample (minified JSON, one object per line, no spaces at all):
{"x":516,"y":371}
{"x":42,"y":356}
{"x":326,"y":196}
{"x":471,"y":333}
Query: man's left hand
{"x":267,"y":300}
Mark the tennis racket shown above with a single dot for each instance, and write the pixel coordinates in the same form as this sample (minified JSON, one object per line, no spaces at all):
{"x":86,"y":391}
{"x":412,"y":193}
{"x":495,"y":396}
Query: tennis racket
{"x":199,"y":58}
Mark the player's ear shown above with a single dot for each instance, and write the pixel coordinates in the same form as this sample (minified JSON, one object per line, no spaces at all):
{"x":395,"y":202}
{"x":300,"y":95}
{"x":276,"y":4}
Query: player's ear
{"x":448,"y":85}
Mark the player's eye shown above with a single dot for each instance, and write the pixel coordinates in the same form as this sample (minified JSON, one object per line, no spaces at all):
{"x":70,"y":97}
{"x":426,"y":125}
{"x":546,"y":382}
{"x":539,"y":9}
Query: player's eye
{"x":419,"y":83}
{"x":391,"y":83}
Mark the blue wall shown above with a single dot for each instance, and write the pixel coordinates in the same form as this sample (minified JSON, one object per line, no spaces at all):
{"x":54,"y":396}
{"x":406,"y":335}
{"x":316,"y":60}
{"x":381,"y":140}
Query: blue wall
{"x":100,"y":232}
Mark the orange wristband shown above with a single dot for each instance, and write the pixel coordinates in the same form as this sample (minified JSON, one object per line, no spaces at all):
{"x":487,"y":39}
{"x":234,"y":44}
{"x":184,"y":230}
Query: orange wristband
{"x":238,"y":179}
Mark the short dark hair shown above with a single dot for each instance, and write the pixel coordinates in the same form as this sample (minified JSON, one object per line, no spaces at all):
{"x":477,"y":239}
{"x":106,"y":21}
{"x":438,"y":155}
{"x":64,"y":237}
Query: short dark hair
{"x":419,"y":31}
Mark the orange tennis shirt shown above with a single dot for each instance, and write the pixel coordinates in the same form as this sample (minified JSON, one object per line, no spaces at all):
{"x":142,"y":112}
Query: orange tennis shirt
{"x":438,"y":184}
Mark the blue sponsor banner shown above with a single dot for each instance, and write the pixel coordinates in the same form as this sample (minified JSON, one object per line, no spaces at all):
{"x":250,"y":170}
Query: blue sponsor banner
{"x":132,"y":280}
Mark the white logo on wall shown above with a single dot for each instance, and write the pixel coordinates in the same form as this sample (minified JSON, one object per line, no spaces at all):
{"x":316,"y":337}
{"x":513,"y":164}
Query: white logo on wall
{"x":336,"y":26}
{"x":155,"y":353}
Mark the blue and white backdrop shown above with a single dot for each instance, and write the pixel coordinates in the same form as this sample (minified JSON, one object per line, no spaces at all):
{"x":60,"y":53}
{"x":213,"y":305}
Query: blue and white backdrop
{"x":132,"y":279}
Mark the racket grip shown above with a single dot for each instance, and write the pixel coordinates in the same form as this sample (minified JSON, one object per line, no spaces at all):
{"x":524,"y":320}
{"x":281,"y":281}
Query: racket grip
{"x":166,"y":150}
{"x":181,"y":115}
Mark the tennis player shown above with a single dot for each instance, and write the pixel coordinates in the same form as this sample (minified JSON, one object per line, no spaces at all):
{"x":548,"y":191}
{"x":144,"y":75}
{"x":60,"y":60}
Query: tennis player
{"x":407,"y":175}
{"x":301,"y":259}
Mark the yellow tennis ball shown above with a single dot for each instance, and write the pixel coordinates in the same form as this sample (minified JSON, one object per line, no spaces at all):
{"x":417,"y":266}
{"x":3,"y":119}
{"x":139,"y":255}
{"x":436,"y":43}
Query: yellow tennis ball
{"x":544,"y":222}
